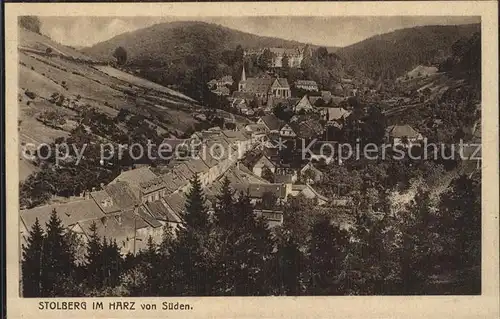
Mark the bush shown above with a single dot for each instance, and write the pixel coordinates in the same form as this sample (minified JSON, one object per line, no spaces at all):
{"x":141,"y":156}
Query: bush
{"x":31,"y":23}
{"x":30,"y":94}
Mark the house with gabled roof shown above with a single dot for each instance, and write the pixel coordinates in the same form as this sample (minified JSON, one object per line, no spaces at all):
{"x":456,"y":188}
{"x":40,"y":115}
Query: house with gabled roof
{"x":287,"y":131}
{"x":122,"y":194}
{"x":280,"y":88}
{"x":336,"y":114}
{"x":308,"y":192}
{"x":105,"y":202}
{"x":271,"y":122}
{"x":258,"y":192}
{"x":310,"y":174}
{"x":263,"y":163}
{"x":304,"y":105}
{"x":145,"y":184}
{"x":402,"y":135}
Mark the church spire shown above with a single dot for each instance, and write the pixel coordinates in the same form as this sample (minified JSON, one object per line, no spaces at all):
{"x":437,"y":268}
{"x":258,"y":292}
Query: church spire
{"x":243,"y":75}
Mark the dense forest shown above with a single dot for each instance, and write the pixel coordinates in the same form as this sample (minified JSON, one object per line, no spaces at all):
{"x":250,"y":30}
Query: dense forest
{"x":167,"y":42}
{"x":186,"y":55}
{"x":390,"y":55}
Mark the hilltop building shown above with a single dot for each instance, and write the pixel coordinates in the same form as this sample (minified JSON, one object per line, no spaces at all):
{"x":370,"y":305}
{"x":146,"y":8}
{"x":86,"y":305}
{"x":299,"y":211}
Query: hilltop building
{"x":295,"y":56}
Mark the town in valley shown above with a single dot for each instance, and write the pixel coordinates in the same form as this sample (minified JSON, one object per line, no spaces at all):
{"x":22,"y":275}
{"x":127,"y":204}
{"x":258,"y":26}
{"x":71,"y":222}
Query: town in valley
{"x":236,"y":204}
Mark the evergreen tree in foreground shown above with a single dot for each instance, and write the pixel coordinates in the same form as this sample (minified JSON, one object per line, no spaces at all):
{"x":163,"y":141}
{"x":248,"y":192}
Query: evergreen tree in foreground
{"x":32,"y":262}
{"x":57,"y":260}
{"x":244,"y":246}
{"x":327,"y":253}
{"x":112,"y":263}
{"x":93,"y":256}
{"x":194,"y":252}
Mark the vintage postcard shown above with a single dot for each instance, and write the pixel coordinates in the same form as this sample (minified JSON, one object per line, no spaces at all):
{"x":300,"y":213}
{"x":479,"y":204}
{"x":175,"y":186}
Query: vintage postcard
{"x":252,"y":160}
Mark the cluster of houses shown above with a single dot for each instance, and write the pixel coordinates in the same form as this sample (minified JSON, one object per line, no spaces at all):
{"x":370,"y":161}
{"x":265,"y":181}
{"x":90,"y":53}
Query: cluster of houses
{"x":139,"y":202}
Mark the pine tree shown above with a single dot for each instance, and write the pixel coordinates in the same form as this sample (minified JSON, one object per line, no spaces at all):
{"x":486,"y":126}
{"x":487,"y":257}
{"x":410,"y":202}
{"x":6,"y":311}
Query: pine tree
{"x":114,"y":264}
{"x":148,"y":265}
{"x":57,"y":260}
{"x":224,"y":211}
{"x":250,"y":251}
{"x":196,"y":216}
{"x":193,"y":254}
{"x":31,"y":262}
{"x":290,"y":264}
{"x":165,"y":269}
{"x":327,"y":253}
{"x":93,"y":259}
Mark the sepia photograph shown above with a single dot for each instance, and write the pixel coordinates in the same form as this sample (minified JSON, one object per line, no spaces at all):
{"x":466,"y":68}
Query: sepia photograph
{"x":249,"y":156}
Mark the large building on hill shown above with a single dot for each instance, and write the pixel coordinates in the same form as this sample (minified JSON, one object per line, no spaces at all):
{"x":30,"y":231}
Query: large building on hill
{"x":295,"y":56}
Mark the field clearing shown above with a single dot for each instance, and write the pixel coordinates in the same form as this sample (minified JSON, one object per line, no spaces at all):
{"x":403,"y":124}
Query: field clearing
{"x":44,"y":80}
{"x":140,"y":81}
{"x":39,"y":42}
{"x":80,"y":83}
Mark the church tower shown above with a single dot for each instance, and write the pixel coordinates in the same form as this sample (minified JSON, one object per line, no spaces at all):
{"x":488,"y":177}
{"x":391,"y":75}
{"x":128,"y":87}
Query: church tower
{"x":241,"y":84}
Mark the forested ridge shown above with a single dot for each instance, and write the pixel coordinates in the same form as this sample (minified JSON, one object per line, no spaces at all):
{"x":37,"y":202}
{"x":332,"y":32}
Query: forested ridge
{"x":390,"y":55}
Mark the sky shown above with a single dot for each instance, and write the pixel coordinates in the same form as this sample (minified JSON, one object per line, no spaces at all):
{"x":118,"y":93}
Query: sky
{"x":325,"y":31}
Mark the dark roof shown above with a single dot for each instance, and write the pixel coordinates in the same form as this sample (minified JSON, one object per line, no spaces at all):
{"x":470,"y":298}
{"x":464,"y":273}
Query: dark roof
{"x":257,"y":85}
{"x":70,"y":213}
{"x":130,"y":220}
{"x":258,"y":190}
{"x":161,"y":212}
{"x":152,"y":185}
{"x":272,"y":122}
{"x":197,"y":165}
{"x":307,"y":129}
{"x":105,"y":202}
{"x":122,"y":195}
{"x":147,"y":217}
{"x":177,"y":202}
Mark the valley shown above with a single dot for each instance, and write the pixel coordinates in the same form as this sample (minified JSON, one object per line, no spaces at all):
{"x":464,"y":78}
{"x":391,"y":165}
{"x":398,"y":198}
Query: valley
{"x":235,"y":110}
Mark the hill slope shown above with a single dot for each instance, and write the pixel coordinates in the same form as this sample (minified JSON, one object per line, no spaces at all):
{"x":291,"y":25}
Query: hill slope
{"x":174,"y":40}
{"x":58,"y":85}
{"x":392,"y":54}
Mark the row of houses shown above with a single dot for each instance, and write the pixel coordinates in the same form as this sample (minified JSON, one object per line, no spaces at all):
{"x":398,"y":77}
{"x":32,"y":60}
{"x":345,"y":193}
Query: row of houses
{"x":138,"y":202}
